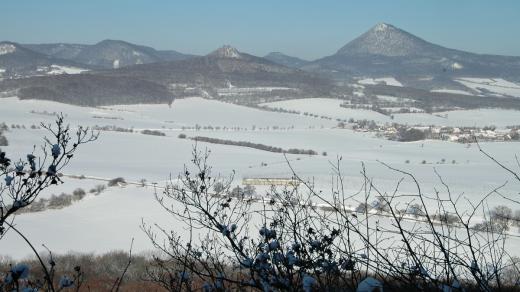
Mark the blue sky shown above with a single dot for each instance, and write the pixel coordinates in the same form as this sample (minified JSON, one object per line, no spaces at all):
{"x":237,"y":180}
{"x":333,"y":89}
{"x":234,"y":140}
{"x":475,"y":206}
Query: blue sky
{"x":307,"y":29}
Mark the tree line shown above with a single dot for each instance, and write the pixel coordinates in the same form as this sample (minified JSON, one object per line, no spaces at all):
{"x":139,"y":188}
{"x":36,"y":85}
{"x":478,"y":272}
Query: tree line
{"x":254,"y":145}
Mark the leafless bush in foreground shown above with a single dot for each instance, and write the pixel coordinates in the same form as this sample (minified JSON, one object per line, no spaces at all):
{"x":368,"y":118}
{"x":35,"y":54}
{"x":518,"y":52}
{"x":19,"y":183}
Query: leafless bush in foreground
{"x":299,"y":239}
{"x":21,"y":181}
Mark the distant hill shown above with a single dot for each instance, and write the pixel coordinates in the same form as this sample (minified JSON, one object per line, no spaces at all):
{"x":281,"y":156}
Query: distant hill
{"x":226,"y":67}
{"x":386,"y":50}
{"x":107,"y":53}
{"x":282,"y":59}
{"x":17,"y":61}
{"x":88,"y":89}
{"x":384,"y":57}
{"x":60,"y":50}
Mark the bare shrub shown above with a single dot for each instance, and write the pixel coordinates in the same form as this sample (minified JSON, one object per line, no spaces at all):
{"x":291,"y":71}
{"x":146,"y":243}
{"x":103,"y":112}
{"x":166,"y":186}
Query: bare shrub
{"x":78,"y":194}
{"x":97,"y":189}
{"x":116,"y":181}
{"x":153,"y":132}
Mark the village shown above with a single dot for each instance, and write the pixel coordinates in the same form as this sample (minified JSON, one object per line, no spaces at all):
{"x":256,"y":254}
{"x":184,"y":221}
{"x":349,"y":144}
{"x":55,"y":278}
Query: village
{"x":405,"y":133}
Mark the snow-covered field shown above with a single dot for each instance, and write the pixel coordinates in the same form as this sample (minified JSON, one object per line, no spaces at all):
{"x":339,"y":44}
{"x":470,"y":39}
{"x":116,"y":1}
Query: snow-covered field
{"x":109,"y":221}
{"x":496,"y":86}
{"x":57,"y":69}
{"x":385,"y":80}
{"x":327,"y":107}
{"x":330,"y":107}
{"x":183,"y":113}
{"x":455,"y":91}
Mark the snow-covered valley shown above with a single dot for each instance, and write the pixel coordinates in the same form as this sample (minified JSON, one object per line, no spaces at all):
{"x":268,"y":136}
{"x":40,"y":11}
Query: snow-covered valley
{"x":100,"y":223}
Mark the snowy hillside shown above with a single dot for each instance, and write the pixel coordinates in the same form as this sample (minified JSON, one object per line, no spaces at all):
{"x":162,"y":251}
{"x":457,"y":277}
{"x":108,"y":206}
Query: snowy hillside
{"x":17,"y":61}
{"x":387,"y":40}
{"x":385,"y":50}
{"x":492,"y":86}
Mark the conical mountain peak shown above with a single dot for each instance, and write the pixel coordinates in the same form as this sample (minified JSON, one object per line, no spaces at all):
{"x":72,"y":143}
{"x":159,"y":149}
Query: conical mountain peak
{"x":226,"y":51}
{"x":385,"y":40}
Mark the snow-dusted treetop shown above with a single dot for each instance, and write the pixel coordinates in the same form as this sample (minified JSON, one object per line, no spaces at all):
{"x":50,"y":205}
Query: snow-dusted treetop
{"x":381,"y":26}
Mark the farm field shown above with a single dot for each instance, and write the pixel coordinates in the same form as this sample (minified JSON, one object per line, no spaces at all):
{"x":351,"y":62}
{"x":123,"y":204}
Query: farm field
{"x":458,"y":118}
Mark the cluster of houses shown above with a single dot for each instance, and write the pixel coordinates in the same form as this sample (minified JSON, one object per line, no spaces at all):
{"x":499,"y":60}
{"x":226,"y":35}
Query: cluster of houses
{"x":406,"y":133}
{"x":468,"y":134}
